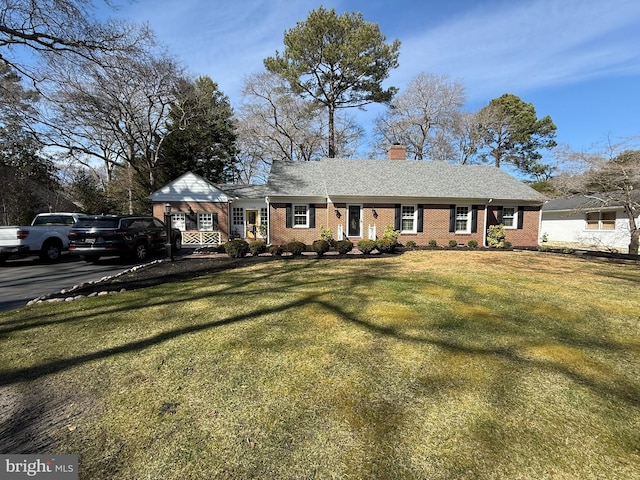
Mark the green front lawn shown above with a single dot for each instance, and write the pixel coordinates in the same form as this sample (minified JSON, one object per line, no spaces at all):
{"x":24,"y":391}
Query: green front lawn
{"x":427,"y":365}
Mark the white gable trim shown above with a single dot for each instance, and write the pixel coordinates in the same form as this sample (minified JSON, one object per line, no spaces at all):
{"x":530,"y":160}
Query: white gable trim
{"x":189,"y":188}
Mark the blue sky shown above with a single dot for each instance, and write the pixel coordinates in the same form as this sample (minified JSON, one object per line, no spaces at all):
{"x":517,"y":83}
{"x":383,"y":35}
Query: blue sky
{"x":575,"y":60}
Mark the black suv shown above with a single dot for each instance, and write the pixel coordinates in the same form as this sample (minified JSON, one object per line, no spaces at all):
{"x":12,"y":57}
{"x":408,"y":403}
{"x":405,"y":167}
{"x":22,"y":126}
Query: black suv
{"x":98,"y":236}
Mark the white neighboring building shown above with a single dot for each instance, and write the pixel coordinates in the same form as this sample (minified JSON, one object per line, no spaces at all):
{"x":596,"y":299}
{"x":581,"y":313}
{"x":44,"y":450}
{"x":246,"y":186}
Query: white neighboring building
{"x":585,"y":222}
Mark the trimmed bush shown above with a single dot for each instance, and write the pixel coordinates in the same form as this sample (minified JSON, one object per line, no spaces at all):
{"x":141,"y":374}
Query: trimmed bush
{"x":320,"y":247}
{"x":344,"y":246}
{"x":327,"y":234}
{"x":433,"y":243}
{"x":507,"y":245}
{"x":296,"y":248}
{"x":256,"y":247}
{"x":495,"y":236}
{"x":366,"y":246}
{"x":453,"y":243}
{"x":236,"y":248}
{"x":411,"y":244}
{"x":386,"y":245}
{"x":275,"y":250}
{"x":472,"y":244}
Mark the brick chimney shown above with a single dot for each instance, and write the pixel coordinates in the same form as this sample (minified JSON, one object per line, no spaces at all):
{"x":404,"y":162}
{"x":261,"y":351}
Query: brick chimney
{"x":397,"y":152}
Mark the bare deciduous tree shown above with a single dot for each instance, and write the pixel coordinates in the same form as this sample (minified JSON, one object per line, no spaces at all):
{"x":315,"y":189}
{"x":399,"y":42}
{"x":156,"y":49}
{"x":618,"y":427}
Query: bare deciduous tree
{"x":49,"y":29}
{"x":114,"y":111}
{"x":274,"y":123}
{"x":422,"y":117}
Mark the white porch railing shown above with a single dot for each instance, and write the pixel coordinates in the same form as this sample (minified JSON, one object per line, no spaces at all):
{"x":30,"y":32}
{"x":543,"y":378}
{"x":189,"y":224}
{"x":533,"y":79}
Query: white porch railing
{"x":201,"y":238}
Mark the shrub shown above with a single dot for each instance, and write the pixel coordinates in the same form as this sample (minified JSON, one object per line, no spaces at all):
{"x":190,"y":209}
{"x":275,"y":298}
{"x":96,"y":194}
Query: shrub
{"x":453,"y":243}
{"x":276,"y":250}
{"x":507,"y":245}
{"x":326,"y":234}
{"x":411,"y":244}
{"x":390,"y":233}
{"x":472,"y":244}
{"x":386,"y":245}
{"x":320,"y":247}
{"x":366,"y":246}
{"x":295,"y":247}
{"x":236,"y":248}
{"x":433,"y":243}
{"x":344,"y":246}
{"x":495,"y":236}
{"x":256,"y":247}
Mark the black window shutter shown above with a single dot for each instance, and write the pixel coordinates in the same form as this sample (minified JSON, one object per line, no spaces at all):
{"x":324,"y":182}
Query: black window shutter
{"x":215,"y":221}
{"x":520,"y":217}
{"x":500,"y":215}
{"x":420,"y":218}
{"x":398,"y":217}
{"x":289,"y":221}
{"x":452,"y":218}
{"x":474,"y":219}
{"x":312,"y":216}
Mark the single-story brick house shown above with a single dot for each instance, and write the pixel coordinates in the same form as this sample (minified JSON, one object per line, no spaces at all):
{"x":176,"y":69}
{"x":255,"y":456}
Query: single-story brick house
{"x":585,"y":221}
{"x":357,"y":199}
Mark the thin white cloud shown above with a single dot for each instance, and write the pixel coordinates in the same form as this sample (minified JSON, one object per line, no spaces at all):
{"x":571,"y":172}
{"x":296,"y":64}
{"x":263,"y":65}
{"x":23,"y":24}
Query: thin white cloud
{"x":529,"y":45}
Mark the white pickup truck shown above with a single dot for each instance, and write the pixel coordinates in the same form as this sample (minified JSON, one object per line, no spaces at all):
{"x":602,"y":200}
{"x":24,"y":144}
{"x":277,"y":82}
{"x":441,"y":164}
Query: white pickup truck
{"x":47,"y":236}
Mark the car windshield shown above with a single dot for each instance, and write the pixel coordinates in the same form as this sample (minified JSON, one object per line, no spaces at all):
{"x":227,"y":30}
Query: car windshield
{"x":97,"y":223}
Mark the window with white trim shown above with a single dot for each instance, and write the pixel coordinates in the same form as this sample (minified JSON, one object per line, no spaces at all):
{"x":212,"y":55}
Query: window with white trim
{"x":601,"y":221}
{"x":300,"y":216}
{"x":263,"y":216}
{"x":463,"y":219}
{"x":409,"y":219}
{"x":238,"y":216}
{"x":510,"y":217}
{"x":205,"y":222}
{"x":178,"y":220}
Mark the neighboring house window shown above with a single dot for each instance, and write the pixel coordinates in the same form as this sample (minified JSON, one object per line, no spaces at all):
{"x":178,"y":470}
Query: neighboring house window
{"x":510,"y":217}
{"x":408,"y":219}
{"x":601,"y":221}
{"x":463,"y":222}
{"x":300,"y":216}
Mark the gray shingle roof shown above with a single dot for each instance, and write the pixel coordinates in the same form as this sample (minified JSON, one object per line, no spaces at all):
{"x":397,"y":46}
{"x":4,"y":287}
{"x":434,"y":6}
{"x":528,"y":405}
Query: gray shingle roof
{"x":396,"y":178}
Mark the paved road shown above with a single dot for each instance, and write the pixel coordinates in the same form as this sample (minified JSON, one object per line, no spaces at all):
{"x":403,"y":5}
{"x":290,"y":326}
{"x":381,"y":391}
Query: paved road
{"x":24,"y":279}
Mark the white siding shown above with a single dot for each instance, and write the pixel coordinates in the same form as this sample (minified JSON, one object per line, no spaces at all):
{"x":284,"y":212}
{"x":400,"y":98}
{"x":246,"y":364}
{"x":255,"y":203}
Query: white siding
{"x":572,"y":227}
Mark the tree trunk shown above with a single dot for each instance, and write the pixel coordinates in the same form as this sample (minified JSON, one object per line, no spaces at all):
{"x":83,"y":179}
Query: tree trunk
{"x":634,"y":244}
{"x":332,"y":132}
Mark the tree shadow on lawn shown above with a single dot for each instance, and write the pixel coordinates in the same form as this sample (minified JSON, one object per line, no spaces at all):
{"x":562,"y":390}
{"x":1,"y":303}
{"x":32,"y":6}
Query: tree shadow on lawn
{"x":617,"y":387}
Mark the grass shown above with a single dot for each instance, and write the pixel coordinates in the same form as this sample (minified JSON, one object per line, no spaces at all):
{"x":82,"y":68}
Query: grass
{"x":429,"y":365}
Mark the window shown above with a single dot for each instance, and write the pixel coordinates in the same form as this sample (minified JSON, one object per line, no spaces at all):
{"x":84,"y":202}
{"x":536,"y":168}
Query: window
{"x":263,"y":216}
{"x":238,"y":216}
{"x":408,"y":224}
{"x":205,"y":222}
{"x":463,"y":222}
{"x":509,"y":217}
{"x":178,"y":221}
{"x":300,"y":216}
{"x":601,"y":221}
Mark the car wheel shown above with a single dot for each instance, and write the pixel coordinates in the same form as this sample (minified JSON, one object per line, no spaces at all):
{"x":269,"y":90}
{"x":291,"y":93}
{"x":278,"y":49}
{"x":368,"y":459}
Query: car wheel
{"x":90,"y":258}
{"x":177,"y":243}
{"x":51,"y":251}
{"x":140,"y":252}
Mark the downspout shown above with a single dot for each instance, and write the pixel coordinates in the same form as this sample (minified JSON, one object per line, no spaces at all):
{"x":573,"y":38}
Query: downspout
{"x":486,"y":222}
{"x":266,"y":199}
